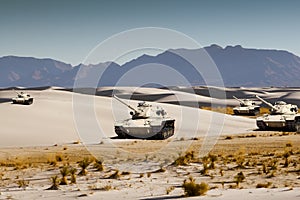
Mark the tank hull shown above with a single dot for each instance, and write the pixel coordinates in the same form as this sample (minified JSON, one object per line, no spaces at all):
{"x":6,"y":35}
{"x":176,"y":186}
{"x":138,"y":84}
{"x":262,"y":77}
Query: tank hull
{"x":246,"y":111}
{"x":278,"y":122}
{"x":22,"y":101}
{"x":151,"y":132}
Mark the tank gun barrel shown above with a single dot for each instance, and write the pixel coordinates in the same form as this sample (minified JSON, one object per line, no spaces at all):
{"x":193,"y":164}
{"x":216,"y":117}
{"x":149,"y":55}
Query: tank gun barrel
{"x":16,"y":92}
{"x":269,"y":104}
{"x":130,"y":107}
{"x":241,"y":101}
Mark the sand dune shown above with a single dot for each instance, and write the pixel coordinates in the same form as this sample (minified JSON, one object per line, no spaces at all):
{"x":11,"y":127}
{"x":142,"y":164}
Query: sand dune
{"x":51,"y":118}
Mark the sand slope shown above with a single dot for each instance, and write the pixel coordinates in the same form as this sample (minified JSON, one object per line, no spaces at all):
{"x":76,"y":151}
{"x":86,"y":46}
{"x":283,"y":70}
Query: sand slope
{"x":50,"y":119}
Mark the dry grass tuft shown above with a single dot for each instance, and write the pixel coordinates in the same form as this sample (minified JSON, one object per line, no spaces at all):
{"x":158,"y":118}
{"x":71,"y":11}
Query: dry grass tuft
{"x":185,"y":159}
{"x":225,"y":110}
{"x":191,"y":188}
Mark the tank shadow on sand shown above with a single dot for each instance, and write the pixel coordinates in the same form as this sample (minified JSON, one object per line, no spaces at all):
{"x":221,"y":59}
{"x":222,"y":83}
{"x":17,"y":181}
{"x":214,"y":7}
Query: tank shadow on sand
{"x":5,"y":100}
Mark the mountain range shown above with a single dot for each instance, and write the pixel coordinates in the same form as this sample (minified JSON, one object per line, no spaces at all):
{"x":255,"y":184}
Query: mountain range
{"x":238,"y":67}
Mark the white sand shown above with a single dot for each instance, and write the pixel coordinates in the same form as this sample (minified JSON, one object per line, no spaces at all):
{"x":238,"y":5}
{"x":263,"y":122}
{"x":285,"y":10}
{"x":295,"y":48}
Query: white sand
{"x":50,"y":119}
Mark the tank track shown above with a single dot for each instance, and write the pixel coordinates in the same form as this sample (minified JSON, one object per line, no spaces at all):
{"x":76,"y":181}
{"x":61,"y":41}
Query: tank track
{"x":290,"y":126}
{"x":254,"y":112}
{"x":297,"y":125}
{"x":166,"y":132}
{"x":261,"y":125}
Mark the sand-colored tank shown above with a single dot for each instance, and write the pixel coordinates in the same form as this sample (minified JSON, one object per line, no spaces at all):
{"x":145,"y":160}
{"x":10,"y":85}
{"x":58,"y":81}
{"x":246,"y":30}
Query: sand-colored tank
{"x":247,"y":107}
{"x":22,"y":98}
{"x":282,"y":116}
{"x":146,"y":122}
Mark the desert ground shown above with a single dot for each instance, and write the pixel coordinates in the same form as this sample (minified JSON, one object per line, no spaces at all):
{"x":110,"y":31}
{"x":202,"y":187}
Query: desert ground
{"x":227,"y":153}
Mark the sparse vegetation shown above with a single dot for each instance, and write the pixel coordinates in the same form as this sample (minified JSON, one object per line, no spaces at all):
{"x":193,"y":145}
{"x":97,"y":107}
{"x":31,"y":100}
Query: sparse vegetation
{"x":191,"y":188}
{"x":286,"y":156}
{"x":55,"y":183}
{"x":185,"y":159}
{"x":23,"y":183}
{"x":239,"y":178}
{"x":170,"y":189}
{"x":64,"y":173}
{"x":115,"y":175}
{"x":73,"y":175}
{"x":225,"y":110}
{"x":99,"y":165}
{"x":263,"y":185}
{"x":84,"y":164}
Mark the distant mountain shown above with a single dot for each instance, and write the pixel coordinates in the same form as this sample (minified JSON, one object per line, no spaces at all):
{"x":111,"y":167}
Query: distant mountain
{"x":31,"y":72}
{"x":238,"y":66}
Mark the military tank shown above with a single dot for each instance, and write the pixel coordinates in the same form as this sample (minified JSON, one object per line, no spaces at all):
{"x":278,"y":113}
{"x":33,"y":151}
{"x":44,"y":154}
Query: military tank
{"x":146,"y":122}
{"x":22,"y":98}
{"x":282,"y":116}
{"x":247,"y":107}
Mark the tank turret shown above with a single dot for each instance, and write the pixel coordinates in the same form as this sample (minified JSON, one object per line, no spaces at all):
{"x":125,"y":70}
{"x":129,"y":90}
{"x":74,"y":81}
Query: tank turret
{"x":247,"y":107}
{"x":22,"y":98}
{"x":146,"y":122}
{"x":282,"y":116}
{"x":280,"y":107}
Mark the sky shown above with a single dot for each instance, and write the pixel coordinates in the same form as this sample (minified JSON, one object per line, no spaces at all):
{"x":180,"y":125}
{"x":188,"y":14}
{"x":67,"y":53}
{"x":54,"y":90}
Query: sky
{"x":67,"y":30}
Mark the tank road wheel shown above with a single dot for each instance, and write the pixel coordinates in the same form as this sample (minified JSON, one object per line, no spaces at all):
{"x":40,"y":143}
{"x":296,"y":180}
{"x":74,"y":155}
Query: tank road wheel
{"x":235,"y":112}
{"x":261,"y":125}
{"x":14,"y":101}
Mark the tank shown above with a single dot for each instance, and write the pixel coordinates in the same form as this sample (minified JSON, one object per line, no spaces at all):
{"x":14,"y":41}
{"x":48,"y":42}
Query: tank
{"x":282,"y":116}
{"x":247,"y":107}
{"x":146,"y":122}
{"x":22,"y":98}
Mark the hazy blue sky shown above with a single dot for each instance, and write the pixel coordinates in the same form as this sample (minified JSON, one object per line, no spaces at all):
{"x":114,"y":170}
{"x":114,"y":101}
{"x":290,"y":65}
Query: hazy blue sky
{"x":67,"y":30}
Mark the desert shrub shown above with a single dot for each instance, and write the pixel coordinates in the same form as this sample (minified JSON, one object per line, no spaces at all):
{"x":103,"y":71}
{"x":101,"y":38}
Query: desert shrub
{"x":64,"y":173}
{"x":73,"y":175}
{"x":213,"y":159}
{"x":206,"y":165}
{"x":185,"y":159}
{"x":84,"y":164}
{"x":107,"y":187}
{"x":228,"y":138}
{"x":115,"y":175}
{"x":58,"y":158}
{"x":263,"y":185}
{"x":23,"y":183}
{"x":191,"y":188}
{"x":286,"y":156}
{"x":170,"y":189}
{"x":125,"y":173}
{"x":289,"y":144}
{"x":99,"y":165}
{"x":239,"y":178}
{"x":55,"y":183}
